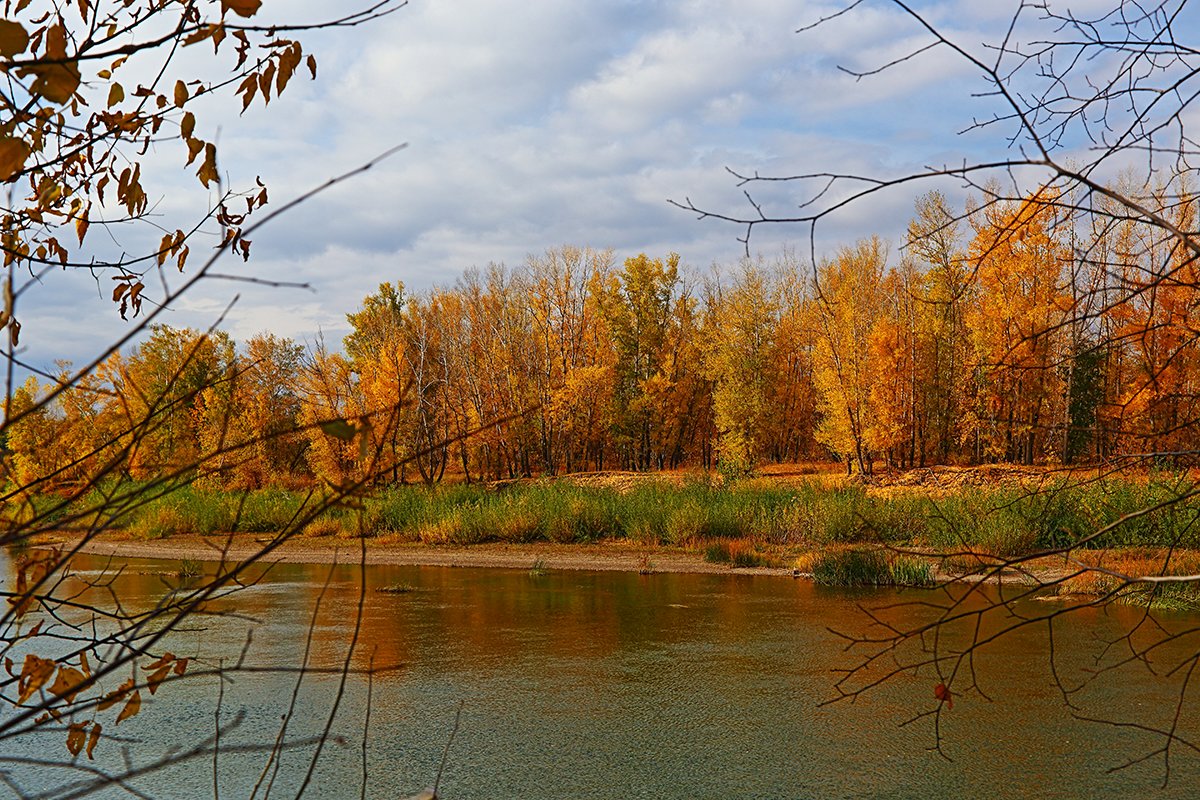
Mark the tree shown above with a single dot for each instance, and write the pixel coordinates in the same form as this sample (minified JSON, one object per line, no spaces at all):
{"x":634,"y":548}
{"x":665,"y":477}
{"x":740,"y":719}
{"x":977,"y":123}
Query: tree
{"x":637,"y":304}
{"x":737,"y":362}
{"x":92,"y":88}
{"x":849,"y":305}
{"x":1091,"y":115}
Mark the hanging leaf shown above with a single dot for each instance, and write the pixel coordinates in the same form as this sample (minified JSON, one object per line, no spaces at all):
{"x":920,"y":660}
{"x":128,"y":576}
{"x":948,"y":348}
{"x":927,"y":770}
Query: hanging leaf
{"x":243,"y":8}
{"x":157,"y":677}
{"x":66,"y":684}
{"x":131,"y":708}
{"x":114,"y":697}
{"x":76,"y":736}
{"x":34,"y":674}
{"x":115,"y":94}
{"x":208,"y":170}
{"x":81,"y":226}
{"x":94,"y":738}
{"x":13,"y":153}
{"x":181,"y":93}
{"x":13,"y":38}
{"x":55,"y":82}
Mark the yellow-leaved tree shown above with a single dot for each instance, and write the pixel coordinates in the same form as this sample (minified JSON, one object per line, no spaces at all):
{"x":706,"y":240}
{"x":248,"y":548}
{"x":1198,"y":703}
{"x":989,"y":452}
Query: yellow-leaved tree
{"x":104,"y":102}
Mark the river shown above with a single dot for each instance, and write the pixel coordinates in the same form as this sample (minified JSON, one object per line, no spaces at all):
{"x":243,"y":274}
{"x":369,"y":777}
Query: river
{"x":606,"y":685}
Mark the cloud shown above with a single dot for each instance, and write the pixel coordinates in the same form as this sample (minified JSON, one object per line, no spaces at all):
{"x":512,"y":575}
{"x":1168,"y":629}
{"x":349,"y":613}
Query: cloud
{"x":532,"y":125}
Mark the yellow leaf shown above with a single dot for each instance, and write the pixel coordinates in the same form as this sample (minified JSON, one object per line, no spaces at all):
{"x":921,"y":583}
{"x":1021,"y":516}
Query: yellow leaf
{"x":81,"y":227}
{"x":95,"y":737}
{"x":243,"y":8}
{"x":131,"y":708}
{"x":116,"y":94}
{"x":67,"y":683}
{"x":13,"y":38}
{"x":13,"y":153}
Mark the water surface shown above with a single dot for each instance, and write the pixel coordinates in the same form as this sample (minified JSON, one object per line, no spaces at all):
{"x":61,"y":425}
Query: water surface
{"x":602,"y":685}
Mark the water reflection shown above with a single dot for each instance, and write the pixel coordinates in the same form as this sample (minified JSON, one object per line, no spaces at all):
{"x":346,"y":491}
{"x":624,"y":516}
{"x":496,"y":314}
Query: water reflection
{"x":596,"y":685}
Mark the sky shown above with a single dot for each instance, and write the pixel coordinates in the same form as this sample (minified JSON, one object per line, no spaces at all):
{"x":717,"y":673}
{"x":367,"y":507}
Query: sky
{"x":531,"y":124}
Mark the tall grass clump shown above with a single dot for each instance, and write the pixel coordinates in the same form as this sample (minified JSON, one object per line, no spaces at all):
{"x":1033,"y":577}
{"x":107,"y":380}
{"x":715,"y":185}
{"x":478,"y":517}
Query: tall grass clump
{"x":859,"y":567}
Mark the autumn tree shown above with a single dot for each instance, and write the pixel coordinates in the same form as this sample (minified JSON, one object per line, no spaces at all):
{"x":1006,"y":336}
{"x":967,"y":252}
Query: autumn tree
{"x":102,"y":100}
{"x":737,"y":360}
{"x":1017,"y":325}
{"x":1078,"y":117}
{"x":637,"y":303}
{"x":849,"y":305}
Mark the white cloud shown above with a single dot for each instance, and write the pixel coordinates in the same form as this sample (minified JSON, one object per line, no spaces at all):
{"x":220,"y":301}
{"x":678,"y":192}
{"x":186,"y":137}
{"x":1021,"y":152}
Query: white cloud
{"x":531,"y":125}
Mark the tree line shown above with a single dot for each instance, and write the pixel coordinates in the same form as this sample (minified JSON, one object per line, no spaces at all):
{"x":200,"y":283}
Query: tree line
{"x":1007,"y":331}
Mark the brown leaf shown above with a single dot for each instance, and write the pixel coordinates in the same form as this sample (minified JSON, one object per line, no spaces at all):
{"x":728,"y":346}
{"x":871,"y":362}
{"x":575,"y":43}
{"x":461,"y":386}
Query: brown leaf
{"x":181,"y":666}
{"x":943,"y":694}
{"x":165,"y":658}
{"x":13,"y":38}
{"x":114,"y":697}
{"x":81,"y":226}
{"x":76,"y":737}
{"x":13,"y":153}
{"x":34,"y":674}
{"x":66,"y":685}
{"x":157,"y":677}
{"x":312,"y":66}
{"x":208,"y":170}
{"x":116,"y":94}
{"x":187,"y":126}
{"x":181,"y":93}
{"x":95,"y":737}
{"x":131,"y":708}
{"x":56,"y":82}
{"x":243,"y":8}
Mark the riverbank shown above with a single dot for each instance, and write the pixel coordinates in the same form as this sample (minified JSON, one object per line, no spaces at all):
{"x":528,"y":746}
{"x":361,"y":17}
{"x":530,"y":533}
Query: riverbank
{"x":916,"y":529}
{"x":607,"y":556}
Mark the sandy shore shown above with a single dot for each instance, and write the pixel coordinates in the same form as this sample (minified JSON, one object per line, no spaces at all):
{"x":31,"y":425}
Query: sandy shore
{"x":611,"y":556}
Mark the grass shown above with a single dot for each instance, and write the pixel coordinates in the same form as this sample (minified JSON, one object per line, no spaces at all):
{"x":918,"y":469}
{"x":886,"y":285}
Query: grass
{"x":746,"y":523}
